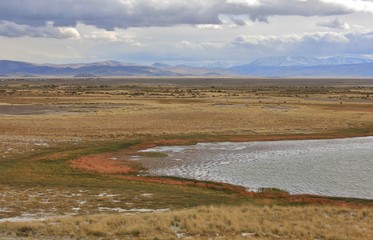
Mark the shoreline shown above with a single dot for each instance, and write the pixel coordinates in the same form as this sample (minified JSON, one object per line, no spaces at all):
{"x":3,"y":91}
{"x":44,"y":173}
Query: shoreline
{"x":134,"y":172}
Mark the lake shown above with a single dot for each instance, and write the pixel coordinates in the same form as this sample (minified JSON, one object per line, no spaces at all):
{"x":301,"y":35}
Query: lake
{"x":338,"y":167}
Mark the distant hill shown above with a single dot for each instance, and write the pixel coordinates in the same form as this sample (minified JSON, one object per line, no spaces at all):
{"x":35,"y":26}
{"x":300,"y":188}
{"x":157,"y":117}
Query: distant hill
{"x":344,"y":70}
{"x":107,"y":68}
{"x":288,"y":61}
{"x":264,"y":67}
{"x":299,"y":66}
{"x":85,"y":75}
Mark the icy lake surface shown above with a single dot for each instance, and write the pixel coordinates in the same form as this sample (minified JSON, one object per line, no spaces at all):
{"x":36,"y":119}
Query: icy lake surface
{"x":338,"y":167}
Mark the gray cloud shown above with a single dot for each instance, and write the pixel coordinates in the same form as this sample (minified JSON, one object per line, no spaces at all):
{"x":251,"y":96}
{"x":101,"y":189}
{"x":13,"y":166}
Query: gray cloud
{"x":10,"y":29}
{"x":194,"y":30}
{"x":111,"y":14}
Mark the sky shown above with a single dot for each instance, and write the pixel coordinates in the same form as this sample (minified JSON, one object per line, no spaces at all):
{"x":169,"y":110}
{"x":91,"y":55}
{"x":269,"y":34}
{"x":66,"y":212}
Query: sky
{"x":194,"y":32}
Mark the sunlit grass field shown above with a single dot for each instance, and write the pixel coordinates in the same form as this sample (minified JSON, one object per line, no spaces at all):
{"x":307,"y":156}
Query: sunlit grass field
{"x":45,"y":126}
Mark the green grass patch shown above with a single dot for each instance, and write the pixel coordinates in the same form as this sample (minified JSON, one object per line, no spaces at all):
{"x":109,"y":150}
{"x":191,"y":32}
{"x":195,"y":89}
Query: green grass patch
{"x":154,"y":154}
{"x":272,"y":190}
{"x":51,"y":169}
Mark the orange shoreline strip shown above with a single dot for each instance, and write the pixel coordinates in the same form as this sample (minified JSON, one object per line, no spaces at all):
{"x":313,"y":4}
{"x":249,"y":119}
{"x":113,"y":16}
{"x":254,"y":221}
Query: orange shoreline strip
{"x":101,"y":163}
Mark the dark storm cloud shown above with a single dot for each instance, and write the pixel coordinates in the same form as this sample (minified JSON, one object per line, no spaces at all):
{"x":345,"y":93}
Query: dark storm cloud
{"x":111,"y":14}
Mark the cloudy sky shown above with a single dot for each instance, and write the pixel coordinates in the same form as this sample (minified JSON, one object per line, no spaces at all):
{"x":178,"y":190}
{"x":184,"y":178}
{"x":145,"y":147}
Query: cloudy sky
{"x":181,"y":31}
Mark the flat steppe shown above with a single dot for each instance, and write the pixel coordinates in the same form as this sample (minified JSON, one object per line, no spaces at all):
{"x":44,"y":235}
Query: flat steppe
{"x":58,"y":176}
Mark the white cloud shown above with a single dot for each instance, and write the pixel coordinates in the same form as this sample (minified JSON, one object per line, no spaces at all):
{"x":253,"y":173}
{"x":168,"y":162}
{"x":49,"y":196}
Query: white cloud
{"x":69,"y":32}
{"x":10,"y":29}
{"x":188,"y":45}
{"x":209,"y":26}
{"x":246,"y":2}
{"x":353,"y":5}
{"x":192,"y":45}
{"x":325,"y":37}
{"x":272,"y":41}
{"x":307,"y":44}
{"x":334,"y":24}
{"x":112,"y":36}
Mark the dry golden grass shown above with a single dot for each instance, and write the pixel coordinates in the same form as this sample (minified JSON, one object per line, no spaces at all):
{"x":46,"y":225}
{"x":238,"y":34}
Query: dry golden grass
{"x":117,"y":113}
{"x":53,"y":119}
{"x":244,"y":222}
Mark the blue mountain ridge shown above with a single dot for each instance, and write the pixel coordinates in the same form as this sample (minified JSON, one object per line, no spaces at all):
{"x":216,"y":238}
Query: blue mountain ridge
{"x":264,"y":67}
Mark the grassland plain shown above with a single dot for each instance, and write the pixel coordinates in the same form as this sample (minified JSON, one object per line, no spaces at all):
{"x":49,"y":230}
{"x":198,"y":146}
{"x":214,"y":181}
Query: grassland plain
{"x":45,"y":124}
{"x":237,"y":222}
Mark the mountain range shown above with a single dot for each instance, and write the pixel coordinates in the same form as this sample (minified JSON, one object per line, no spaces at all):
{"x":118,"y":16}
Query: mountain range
{"x":263,"y":67}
